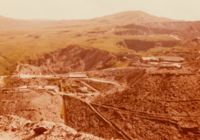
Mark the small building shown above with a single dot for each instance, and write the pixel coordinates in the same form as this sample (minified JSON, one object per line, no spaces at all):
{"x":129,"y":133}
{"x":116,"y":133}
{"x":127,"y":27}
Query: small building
{"x":170,"y":65}
{"x":164,"y":61}
{"x":171,"y":59}
{"x":150,"y":59}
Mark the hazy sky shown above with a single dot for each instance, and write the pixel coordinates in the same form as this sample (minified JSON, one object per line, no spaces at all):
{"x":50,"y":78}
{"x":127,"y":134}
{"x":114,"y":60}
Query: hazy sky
{"x":81,"y":9}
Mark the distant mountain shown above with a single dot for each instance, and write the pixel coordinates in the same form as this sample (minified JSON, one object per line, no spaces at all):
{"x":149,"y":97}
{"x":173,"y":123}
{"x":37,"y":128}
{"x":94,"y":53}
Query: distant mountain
{"x":136,"y":17}
{"x":10,"y":23}
{"x":119,"y":19}
{"x":130,"y":17}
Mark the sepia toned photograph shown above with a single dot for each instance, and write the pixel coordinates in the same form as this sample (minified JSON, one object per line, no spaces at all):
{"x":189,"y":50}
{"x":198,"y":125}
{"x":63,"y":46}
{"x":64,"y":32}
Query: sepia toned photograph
{"x":99,"y":69}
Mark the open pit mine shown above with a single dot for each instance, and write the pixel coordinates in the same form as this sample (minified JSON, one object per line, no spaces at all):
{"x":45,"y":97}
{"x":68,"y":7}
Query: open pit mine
{"x":129,"y":76}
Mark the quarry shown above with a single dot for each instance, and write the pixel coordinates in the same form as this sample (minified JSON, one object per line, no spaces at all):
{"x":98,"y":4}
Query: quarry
{"x":148,"y":99}
{"x":129,"y":76}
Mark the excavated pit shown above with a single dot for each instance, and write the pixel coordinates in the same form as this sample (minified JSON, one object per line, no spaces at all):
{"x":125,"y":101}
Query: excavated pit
{"x":114,"y":103}
{"x":142,"y":45}
{"x":73,"y":58}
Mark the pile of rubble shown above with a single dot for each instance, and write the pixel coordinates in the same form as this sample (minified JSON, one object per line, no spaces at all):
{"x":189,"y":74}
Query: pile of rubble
{"x":38,"y":98}
{"x":17,"y":128}
{"x":152,"y":107}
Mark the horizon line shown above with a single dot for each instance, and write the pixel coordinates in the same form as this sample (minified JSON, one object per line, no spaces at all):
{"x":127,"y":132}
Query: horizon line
{"x":91,"y":18}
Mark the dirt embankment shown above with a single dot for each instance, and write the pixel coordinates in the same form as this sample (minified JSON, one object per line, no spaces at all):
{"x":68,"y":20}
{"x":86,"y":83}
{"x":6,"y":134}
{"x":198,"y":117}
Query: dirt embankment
{"x":74,"y":58}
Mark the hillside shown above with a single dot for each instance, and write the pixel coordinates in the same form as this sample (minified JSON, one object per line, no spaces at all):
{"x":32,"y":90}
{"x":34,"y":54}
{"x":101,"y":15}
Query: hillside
{"x":21,"y":40}
{"x":136,"y":17}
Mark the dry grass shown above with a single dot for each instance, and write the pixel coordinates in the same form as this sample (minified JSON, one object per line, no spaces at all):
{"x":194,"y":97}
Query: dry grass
{"x":18,"y":45}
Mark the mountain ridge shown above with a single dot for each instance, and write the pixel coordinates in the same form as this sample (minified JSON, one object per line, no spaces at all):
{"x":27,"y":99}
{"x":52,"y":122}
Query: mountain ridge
{"x":121,"y":18}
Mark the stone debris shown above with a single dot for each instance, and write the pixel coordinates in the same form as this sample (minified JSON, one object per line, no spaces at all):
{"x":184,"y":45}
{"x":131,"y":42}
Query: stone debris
{"x":155,"y":99}
{"x":16,"y":128}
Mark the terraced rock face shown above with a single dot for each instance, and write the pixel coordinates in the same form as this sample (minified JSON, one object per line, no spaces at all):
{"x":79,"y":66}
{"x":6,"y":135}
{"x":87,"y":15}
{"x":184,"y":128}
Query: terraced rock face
{"x":75,"y":58}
